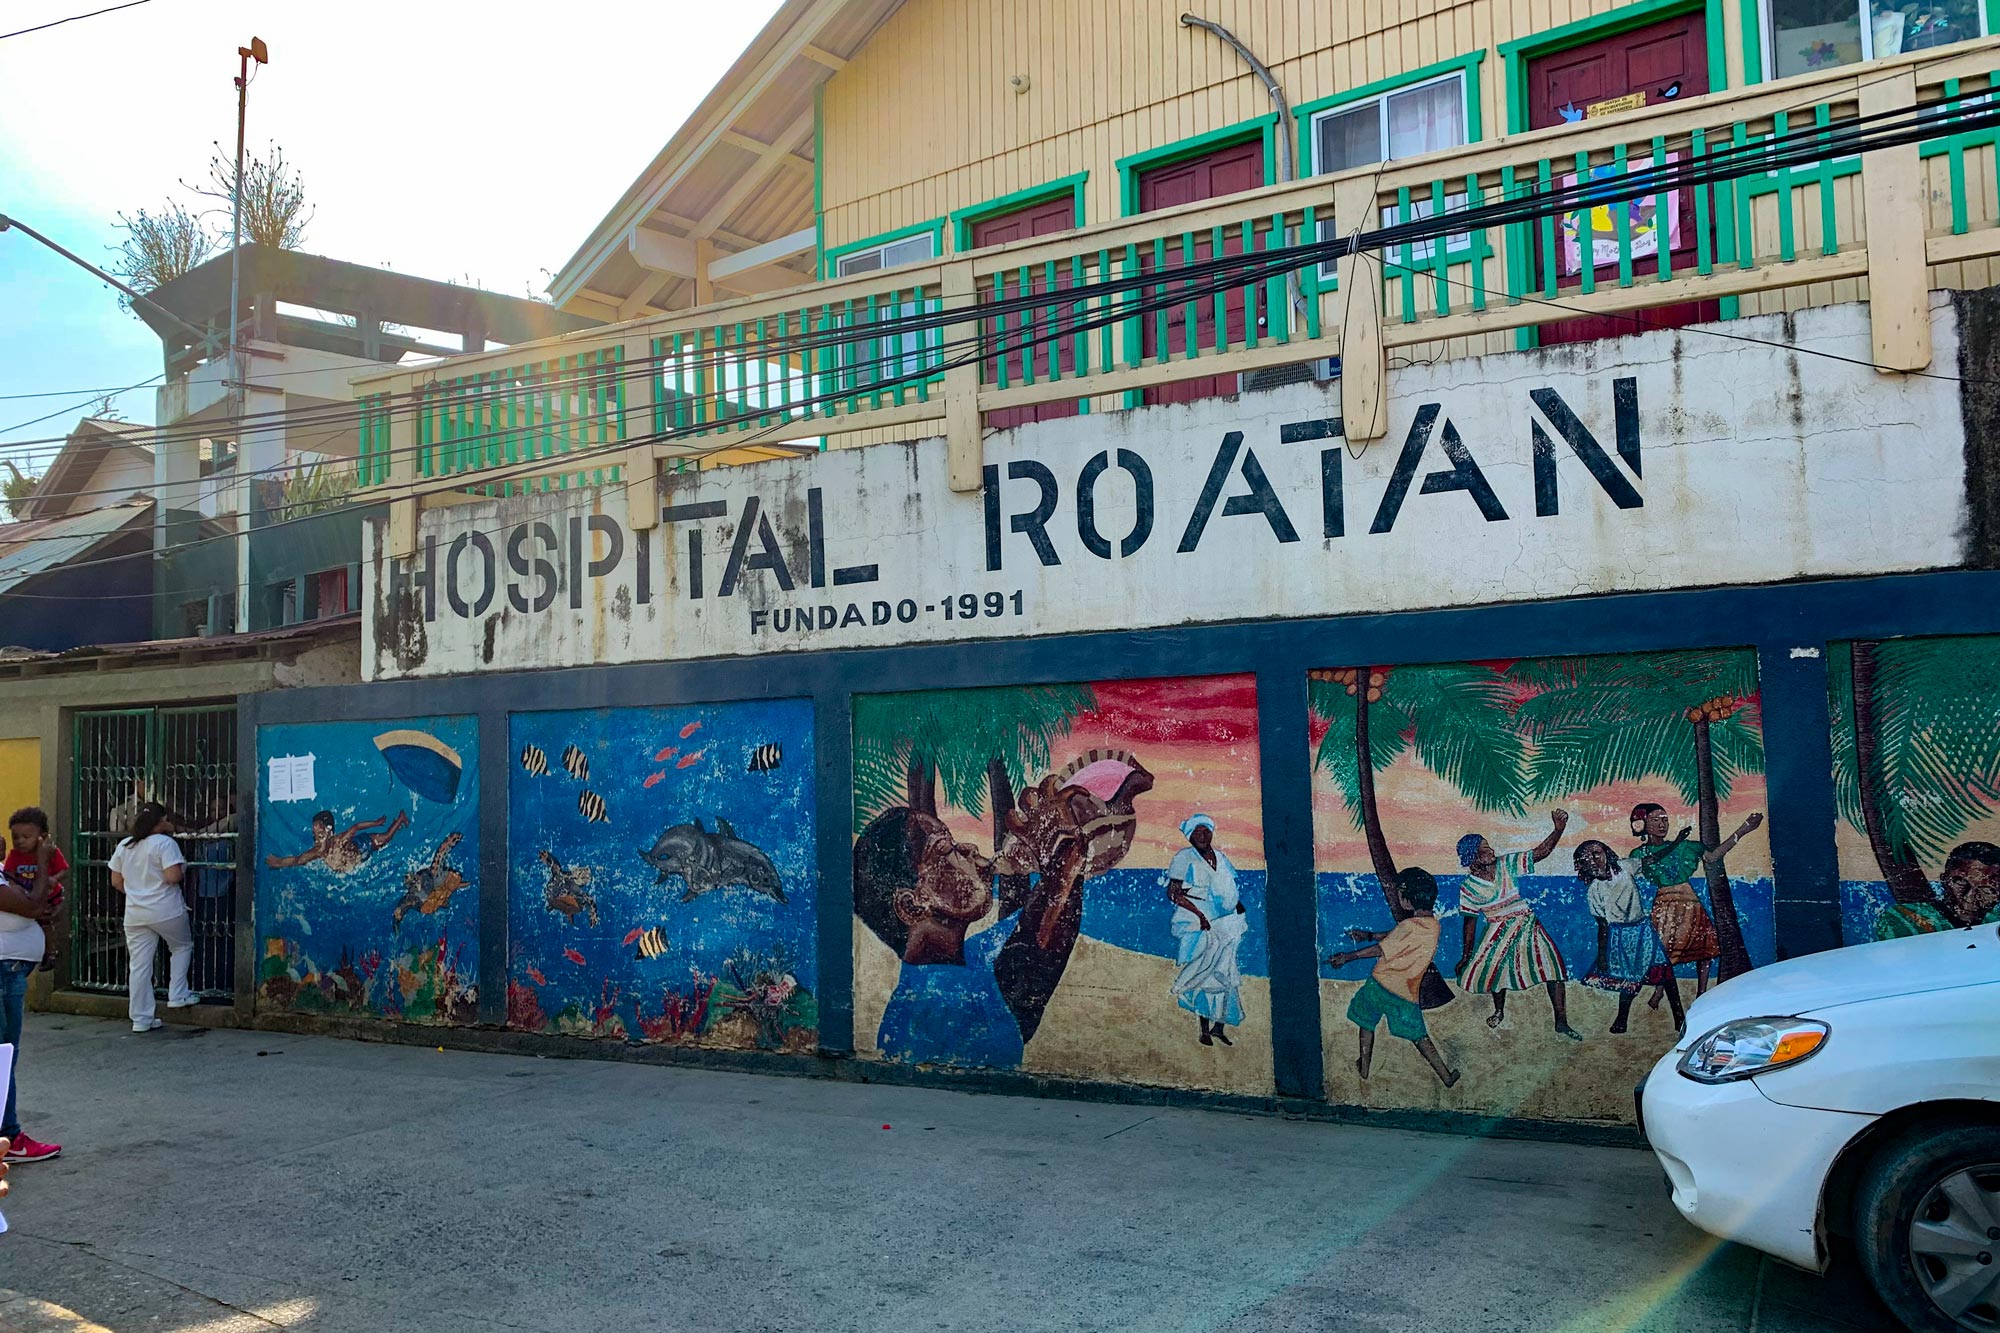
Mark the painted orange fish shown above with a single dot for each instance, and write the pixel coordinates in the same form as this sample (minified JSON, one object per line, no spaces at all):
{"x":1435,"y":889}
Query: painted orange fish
{"x":631,"y":935}
{"x":690,"y":729}
{"x":574,"y":957}
{"x":652,"y":779}
{"x":666,"y":752}
{"x":687,"y":759}
{"x":535,"y":975}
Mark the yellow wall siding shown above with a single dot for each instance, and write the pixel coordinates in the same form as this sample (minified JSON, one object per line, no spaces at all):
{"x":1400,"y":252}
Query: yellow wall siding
{"x":21,"y":775}
{"x":923,"y":122}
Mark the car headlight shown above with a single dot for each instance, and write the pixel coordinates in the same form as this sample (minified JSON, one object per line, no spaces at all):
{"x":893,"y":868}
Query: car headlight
{"x":1751,"y":1046}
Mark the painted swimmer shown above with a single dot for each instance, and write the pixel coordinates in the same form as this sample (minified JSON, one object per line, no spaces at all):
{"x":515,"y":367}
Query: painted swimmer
{"x":344,"y":852}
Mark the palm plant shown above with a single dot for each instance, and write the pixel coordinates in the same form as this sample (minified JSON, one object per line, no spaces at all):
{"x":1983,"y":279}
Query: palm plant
{"x":905,"y":745}
{"x":1454,"y":717}
{"x":1689,"y":718}
{"x":1916,"y":748}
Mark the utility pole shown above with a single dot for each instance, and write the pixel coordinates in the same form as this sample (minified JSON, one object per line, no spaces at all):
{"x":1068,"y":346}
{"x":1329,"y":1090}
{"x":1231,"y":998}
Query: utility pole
{"x":260,"y":53}
{"x":237,"y":397}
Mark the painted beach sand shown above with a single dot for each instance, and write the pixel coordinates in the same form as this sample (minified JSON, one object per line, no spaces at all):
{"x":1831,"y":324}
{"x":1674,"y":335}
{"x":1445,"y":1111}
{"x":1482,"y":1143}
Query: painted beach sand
{"x":368,"y":849}
{"x":1076,"y":936}
{"x":661,"y":879}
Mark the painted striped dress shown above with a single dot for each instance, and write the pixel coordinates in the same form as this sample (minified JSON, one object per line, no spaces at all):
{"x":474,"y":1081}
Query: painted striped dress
{"x":1515,"y":953}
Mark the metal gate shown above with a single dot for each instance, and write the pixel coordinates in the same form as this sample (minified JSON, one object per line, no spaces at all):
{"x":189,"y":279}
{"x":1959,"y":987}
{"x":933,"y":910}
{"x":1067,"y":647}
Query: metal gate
{"x":184,"y":758}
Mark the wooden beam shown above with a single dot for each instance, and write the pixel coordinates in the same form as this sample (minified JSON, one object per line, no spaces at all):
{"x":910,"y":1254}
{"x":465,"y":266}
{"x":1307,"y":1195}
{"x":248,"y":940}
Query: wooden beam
{"x":965,"y":449}
{"x":819,"y":55}
{"x":753,"y":177}
{"x":759,"y":256}
{"x":659,"y":252}
{"x":641,"y":299}
{"x":1892,"y":193}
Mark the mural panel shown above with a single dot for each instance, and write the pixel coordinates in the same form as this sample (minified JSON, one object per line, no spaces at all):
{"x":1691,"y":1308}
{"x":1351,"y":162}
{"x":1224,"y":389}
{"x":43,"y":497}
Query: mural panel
{"x":367,"y":901}
{"x":1527,"y":869}
{"x":661,"y":879}
{"x":1919,"y":838}
{"x":1064,"y":879}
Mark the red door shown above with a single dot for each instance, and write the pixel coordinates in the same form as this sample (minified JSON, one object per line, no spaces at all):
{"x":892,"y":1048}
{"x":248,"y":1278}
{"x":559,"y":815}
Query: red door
{"x":1664,"y":61}
{"x":1225,"y":171}
{"x":1041,"y":219}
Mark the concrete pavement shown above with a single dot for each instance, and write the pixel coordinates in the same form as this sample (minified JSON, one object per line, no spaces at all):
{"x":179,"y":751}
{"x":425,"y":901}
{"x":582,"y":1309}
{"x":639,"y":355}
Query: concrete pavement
{"x":224,"y":1181}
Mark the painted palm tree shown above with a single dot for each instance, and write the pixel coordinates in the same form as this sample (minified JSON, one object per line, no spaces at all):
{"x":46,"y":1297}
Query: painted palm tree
{"x":1689,"y":718}
{"x":1453,"y":717}
{"x":1916,"y":748}
{"x":907,"y":745}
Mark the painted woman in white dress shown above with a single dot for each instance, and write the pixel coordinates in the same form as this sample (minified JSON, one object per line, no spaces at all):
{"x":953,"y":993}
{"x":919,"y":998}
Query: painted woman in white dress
{"x":1208,"y":923}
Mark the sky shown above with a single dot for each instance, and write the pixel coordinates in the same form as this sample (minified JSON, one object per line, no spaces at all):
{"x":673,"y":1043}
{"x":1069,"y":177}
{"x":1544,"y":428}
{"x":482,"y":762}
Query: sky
{"x":470,"y":143}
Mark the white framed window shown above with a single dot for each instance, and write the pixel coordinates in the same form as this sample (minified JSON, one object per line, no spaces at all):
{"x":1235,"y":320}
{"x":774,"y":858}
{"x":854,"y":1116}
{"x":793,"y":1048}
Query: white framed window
{"x":1802,"y":36}
{"x":1425,"y":117}
{"x":890,"y":254}
{"x":892,"y":356}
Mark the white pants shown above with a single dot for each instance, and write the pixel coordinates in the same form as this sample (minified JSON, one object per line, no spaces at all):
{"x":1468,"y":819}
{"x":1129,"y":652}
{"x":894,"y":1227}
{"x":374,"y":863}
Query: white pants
{"x":143,"y":942}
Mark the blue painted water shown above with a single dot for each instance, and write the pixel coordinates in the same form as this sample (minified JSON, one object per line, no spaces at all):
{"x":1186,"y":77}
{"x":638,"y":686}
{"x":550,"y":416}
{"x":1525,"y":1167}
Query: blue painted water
{"x":1560,"y":904}
{"x":311,"y":919}
{"x":1129,"y":908}
{"x":633,"y":761}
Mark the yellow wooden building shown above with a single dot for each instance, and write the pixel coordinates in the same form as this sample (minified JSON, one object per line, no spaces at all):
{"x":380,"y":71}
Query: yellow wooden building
{"x":867,"y":161}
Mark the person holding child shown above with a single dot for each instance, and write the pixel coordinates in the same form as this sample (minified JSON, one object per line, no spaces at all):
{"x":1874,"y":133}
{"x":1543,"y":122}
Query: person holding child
{"x":30,"y":889}
{"x":1390,"y":994}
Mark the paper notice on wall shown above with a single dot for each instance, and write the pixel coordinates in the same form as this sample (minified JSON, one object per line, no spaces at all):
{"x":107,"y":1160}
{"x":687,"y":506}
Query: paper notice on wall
{"x":292,"y":778}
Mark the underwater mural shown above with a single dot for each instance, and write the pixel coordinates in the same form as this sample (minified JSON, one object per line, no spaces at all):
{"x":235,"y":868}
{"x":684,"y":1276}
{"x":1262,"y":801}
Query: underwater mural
{"x":1526,"y":871}
{"x":368,"y":844}
{"x":1916,"y":768}
{"x":1064,"y":879}
{"x":662,"y":881}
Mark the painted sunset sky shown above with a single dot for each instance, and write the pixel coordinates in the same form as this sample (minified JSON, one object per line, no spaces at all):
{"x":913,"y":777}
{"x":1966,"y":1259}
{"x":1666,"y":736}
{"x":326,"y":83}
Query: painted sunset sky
{"x":1198,"y":737}
{"x":1423,"y":817}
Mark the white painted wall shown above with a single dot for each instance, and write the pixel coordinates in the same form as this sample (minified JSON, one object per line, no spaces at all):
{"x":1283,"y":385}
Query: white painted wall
{"x":1759,"y":462}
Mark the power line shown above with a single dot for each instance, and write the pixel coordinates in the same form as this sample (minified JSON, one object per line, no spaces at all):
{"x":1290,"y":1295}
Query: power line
{"x":1177,"y":286}
{"x":43,"y":27}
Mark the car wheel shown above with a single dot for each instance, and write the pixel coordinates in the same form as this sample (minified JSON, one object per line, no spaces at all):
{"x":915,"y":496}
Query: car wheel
{"x":1927,"y":1227}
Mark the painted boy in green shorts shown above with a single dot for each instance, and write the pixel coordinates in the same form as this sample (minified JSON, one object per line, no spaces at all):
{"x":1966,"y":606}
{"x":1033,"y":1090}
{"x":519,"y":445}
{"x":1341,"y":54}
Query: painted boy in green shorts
{"x":1391,"y":990}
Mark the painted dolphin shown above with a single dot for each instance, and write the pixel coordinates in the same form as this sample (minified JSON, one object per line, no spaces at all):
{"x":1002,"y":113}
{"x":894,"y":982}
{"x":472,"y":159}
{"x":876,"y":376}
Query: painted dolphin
{"x":708,"y":861}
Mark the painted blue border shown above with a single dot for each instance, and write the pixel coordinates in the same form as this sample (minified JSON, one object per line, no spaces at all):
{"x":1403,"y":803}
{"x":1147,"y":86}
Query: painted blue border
{"x":1789,"y":625}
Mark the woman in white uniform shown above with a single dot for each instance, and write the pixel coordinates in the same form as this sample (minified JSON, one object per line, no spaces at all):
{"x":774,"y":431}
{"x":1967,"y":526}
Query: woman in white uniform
{"x":1209,"y":923}
{"x":147,"y":868}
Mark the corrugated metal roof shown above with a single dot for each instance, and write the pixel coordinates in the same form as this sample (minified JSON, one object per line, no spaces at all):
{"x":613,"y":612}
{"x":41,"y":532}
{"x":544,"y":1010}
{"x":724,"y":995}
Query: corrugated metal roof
{"x":40,"y":545}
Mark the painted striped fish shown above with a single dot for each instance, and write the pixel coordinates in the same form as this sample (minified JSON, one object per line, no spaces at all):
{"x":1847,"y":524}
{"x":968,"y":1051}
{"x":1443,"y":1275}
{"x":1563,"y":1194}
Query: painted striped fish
{"x":766,"y":757}
{"x":534,"y":760}
{"x":576,"y":763}
{"x":652,"y":943}
{"x":591,"y":806}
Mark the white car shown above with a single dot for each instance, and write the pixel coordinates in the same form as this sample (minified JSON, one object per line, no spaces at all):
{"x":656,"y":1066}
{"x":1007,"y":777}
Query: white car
{"x":1850,"y":1093}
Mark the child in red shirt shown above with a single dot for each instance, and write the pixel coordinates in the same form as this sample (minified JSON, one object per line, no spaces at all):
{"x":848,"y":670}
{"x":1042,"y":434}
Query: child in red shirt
{"x":32,"y":859}
{"x":30,"y":887}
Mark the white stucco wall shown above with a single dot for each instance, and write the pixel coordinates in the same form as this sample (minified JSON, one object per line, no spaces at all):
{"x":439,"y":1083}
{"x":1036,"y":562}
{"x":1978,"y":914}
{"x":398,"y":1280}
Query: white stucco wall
{"x":1762,"y":455}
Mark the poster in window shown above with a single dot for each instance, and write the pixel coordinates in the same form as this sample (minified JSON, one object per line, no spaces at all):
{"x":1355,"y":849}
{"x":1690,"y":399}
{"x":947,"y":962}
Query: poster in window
{"x":1642,"y":214}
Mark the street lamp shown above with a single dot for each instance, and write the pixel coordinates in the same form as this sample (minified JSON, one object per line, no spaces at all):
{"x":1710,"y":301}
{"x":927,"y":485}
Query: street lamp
{"x":260,"y":53}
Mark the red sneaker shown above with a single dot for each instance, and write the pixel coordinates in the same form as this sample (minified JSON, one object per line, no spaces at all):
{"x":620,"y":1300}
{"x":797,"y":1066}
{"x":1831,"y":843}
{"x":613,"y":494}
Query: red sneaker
{"x":25,"y":1149}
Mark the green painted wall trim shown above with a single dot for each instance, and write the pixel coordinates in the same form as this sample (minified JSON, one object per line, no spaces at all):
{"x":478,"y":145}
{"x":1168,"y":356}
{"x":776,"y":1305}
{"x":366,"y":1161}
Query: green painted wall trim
{"x":830,"y":259}
{"x":1132,"y":167}
{"x":1468,"y":65}
{"x":1518,"y":52}
{"x":819,"y":178}
{"x":963,"y":219}
{"x":1753,"y":40}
